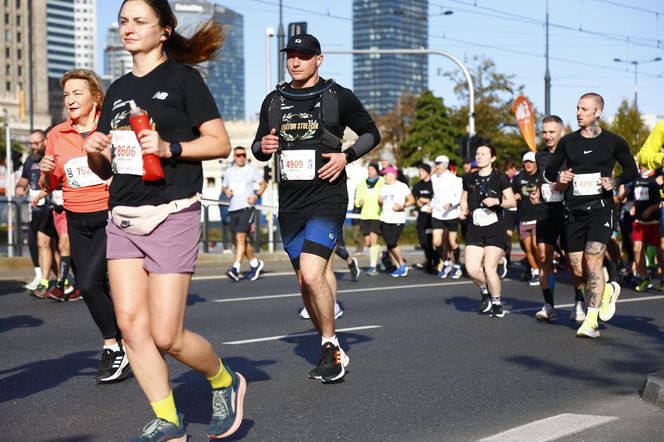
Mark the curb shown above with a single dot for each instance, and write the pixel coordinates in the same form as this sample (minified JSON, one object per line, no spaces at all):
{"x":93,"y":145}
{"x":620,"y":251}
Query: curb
{"x":653,"y":389}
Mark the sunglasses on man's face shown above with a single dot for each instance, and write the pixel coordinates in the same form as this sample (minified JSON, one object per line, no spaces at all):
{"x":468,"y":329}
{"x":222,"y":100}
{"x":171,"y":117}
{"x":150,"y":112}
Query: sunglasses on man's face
{"x":240,"y":155}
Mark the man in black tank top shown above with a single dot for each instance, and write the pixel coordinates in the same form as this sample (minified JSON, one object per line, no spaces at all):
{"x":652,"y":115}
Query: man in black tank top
{"x":591,"y":154}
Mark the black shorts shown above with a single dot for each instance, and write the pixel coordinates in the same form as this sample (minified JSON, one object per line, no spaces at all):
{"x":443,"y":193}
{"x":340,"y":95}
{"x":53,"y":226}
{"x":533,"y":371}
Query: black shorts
{"x":597,"y":227}
{"x":552,"y":228}
{"x":391,"y":234}
{"x":241,"y":220}
{"x":483,"y":236}
{"x":450,"y":224}
{"x":368,"y":226}
{"x":42,"y":221}
{"x":509,"y":219}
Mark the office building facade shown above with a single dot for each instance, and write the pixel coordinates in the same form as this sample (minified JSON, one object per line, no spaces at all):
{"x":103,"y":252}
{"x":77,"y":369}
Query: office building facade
{"x":117,"y":61}
{"x":379,"y":80}
{"x":225,"y":74}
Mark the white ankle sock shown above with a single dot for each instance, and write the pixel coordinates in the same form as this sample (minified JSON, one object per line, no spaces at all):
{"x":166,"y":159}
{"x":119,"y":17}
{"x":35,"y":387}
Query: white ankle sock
{"x":333,"y":340}
{"x":253,"y":262}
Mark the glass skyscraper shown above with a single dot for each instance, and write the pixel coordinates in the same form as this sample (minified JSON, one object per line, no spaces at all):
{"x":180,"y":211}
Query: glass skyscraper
{"x":379,"y":80}
{"x":225,"y":74}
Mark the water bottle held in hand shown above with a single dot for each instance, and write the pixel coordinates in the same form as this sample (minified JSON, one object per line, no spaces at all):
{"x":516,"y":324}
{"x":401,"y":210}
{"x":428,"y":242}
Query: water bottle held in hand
{"x":139,"y":120}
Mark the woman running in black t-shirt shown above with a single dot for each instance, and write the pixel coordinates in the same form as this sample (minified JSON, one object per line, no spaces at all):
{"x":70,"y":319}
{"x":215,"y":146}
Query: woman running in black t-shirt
{"x":155,"y":225}
{"x":485,"y":194}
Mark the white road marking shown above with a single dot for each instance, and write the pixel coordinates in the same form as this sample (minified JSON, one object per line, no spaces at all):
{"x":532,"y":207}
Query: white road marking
{"x":368,"y":289}
{"x":620,"y":300}
{"x":551,"y":428}
{"x":263,"y":275}
{"x":297,"y":335}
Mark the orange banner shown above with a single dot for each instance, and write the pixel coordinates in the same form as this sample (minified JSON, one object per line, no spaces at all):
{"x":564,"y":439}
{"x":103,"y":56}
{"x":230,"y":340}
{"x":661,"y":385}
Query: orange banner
{"x":525,"y":117}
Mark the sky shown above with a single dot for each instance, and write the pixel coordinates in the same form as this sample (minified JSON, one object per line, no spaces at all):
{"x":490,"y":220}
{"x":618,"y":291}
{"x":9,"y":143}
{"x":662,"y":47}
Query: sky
{"x":585,"y":36}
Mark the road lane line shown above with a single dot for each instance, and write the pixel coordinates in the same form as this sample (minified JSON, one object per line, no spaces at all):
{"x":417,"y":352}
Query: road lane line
{"x":534,"y":309}
{"x":551,"y":428}
{"x":263,"y":275}
{"x":368,"y":289}
{"x":297,"y":335}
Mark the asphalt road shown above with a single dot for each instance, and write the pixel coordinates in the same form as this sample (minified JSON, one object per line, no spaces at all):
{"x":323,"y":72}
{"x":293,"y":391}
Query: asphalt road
{"x":425,"y":366}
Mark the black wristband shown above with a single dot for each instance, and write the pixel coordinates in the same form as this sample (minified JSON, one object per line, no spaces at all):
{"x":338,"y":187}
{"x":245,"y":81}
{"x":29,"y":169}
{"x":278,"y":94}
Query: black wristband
{"x":176,"y":150}
{"x":351,"y":155}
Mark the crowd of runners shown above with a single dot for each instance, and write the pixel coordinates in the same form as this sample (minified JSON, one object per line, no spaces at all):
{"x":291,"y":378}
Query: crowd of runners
{"x":103,"y":209}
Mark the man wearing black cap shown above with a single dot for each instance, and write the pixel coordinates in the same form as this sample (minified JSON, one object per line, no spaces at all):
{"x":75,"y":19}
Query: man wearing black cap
{"x":303,"y":122}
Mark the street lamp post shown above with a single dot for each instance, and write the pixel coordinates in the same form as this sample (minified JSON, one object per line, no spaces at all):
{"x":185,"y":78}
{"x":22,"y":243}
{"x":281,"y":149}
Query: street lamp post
{"x":269,"y":33}
{"x":469,"y":79}
{"x":636,"y":64}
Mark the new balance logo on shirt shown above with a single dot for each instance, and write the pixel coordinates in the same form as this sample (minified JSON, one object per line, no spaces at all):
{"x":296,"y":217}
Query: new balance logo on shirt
{"x":160,"y":96}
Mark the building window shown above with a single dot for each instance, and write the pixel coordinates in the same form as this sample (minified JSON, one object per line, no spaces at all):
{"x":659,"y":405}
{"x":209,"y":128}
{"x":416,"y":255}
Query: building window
{"x":8,"y":70}
{"x":19,"y":54}
{"x":18,"y":37}
{"x":8,"y":86}
{"x":18,"y":20}
{"x":8,"y":53}
{"x":19,"y":71}
{"x":6,"y":19}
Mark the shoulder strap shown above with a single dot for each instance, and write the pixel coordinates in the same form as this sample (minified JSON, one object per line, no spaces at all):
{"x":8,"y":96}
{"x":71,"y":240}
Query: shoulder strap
{"x":274,"y":112}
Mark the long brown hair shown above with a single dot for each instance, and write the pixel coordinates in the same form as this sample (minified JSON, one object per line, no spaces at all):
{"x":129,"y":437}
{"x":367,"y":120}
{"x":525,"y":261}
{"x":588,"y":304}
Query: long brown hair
{"x":202,"y":46}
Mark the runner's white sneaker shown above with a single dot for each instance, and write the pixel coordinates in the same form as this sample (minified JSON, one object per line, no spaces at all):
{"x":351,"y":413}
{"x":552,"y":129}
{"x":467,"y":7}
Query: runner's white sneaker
{"x":548,"y":313}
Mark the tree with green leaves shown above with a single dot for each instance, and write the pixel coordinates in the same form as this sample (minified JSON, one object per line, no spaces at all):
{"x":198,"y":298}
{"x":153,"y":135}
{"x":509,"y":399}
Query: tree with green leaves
{"x":628,"y":124}
{"x":494,"y":95}
{"x":430,"y":134}
{"x":394,"y":127}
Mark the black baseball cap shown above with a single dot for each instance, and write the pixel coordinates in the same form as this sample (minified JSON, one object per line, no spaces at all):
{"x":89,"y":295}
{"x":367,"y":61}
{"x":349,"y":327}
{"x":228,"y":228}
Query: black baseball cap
{"x":304,"y":43}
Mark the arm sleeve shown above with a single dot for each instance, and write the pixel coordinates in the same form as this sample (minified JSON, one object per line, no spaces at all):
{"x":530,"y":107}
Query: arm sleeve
{"x":627,"y":163}
{"x":262,"y":130}
{"x":458,"y":190}
{"x":466,"y":183}
{"x":505,"y":183}
{"x":550,"y":174}
{"x":224,"y":180}
{"x":356,"y":117}
{"x":198,"y":101}
{"x":650,"y":154}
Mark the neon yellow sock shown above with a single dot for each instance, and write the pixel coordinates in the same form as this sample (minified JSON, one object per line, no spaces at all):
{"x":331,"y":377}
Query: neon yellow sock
{"x":222,"y":379}
{"x":165,"y":409}
{"x":44,"y":282}
{"x":591,"y":316}
{"x":606,"y":296}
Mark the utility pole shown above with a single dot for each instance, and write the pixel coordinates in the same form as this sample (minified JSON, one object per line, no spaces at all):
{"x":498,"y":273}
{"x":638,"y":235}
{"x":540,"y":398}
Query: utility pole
{"x":31,"y":81}
{"x":280,"y":43}
{"x":547,"y":74}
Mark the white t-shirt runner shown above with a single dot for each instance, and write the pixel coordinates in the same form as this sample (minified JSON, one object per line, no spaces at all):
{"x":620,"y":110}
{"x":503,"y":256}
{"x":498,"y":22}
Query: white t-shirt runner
{"x":241,"y":181}
{"x":393,"y":194}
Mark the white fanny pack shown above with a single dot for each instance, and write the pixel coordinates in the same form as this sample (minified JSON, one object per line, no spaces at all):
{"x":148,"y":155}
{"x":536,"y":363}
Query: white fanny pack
{"x":142,"y":220}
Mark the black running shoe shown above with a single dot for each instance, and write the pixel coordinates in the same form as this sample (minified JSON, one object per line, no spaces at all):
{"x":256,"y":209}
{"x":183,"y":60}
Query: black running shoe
{"x":354,"y":270}
{"x":485,"y":302}
{"x":497,"y":311}
{"x":114,"y":366}
{"x":331,"y":366}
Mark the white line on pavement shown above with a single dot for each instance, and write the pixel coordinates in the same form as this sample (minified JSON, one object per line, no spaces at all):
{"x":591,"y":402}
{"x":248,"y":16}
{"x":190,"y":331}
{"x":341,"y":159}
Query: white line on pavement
{"x":368,"y":289}
{"x":297,"y":335}
{"x":644,"y":298}
{"x":263,"y":275}
{"x":551,"y":428}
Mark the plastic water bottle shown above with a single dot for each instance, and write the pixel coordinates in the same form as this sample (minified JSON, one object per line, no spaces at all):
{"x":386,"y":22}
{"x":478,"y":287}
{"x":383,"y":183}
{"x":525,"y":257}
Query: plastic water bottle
{"x":138,"y":118}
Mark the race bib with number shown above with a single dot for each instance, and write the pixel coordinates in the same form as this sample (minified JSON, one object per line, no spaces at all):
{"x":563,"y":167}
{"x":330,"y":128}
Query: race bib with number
{"x":34,"y":193}
{"x":587,"y":184}
{"x":298,"y":165}
{"x":127,"y":158}
{"x":484,"y":217}
{"x":641,"y":193}
{"x":79,"y":174}
{"x":549,"y":195}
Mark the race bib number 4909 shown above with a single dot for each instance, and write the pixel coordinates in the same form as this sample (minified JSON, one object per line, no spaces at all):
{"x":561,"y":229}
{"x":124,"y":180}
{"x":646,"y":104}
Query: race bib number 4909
{"x":127,"y":158}
{"x":298,"y":165}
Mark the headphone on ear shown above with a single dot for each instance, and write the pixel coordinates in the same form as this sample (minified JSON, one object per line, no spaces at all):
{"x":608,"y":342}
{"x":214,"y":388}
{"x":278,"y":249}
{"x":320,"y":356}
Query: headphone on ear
{"x":318,"y":63}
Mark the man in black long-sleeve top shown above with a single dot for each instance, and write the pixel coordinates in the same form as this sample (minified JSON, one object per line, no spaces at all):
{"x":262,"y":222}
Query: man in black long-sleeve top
{"x":591,"y":154}
{"x":303,"y":122}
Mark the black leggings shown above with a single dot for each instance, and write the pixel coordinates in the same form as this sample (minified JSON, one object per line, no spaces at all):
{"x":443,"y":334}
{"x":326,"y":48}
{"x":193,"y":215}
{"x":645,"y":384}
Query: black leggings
{"x":87,"y":236}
